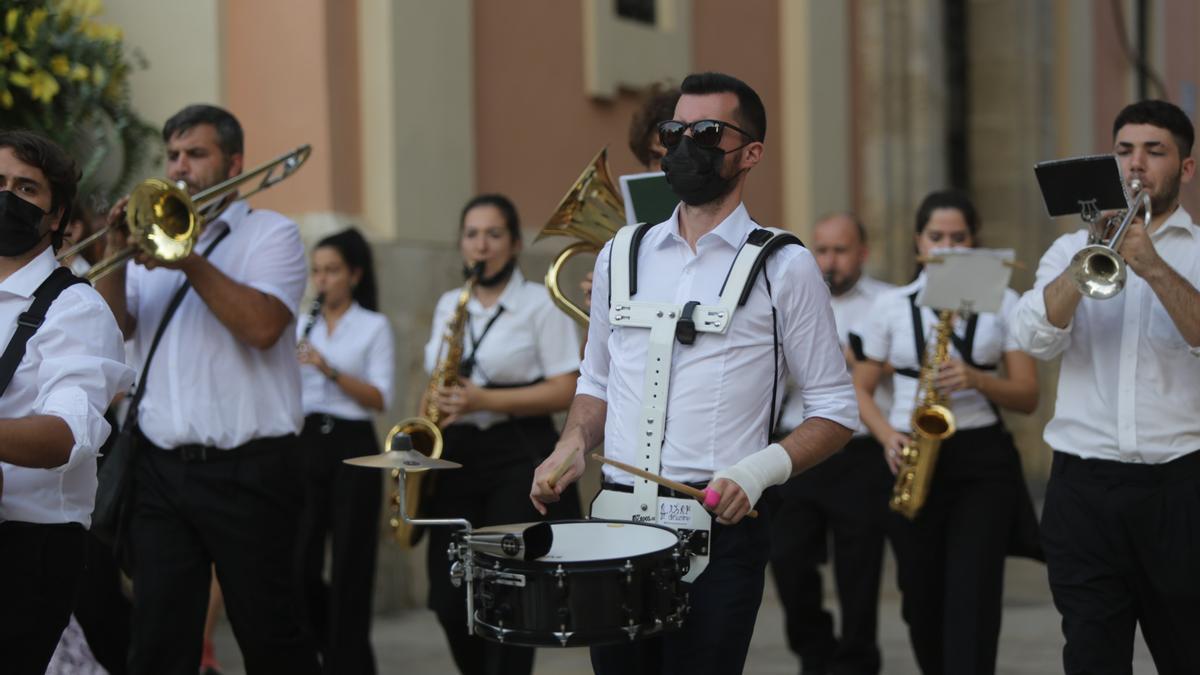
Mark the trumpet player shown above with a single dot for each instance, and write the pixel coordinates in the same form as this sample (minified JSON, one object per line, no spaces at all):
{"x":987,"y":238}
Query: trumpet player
{"x":216,"y":475}
{"x":950,"y":556}
{"x":1121,"y":523}
{"x":520,"y":360}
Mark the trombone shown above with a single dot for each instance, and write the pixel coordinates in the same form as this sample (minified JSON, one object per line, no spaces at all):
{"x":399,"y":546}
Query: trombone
{"x":165,"y":222}
{"x":1097,"y":269}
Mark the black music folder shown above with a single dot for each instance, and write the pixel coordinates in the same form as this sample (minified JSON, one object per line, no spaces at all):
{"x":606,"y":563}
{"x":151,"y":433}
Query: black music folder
{"x":1084,"y":185}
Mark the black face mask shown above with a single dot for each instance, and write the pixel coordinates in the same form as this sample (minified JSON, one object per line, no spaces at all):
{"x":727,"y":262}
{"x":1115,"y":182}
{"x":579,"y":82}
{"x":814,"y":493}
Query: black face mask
{"x":494,"y":280}
{"x":19,"y":221}
{"x":695,"y":172}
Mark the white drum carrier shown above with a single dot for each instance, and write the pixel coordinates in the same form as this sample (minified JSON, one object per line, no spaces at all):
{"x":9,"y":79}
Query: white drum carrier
{"x":667,"y":324}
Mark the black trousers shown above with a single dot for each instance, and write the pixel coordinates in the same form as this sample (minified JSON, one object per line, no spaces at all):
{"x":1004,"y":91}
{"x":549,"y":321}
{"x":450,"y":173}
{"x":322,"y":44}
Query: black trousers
{"x":342,"y":505}
{"x":102,"y":610}
{"x":842,"y":501}
{"x":1122,"y":545}
{"x":724,"y":600}
{"x":950,"y":559}
{"x":492,"y":488}
{"x":40,"y":566}
{"x":239,"y":512}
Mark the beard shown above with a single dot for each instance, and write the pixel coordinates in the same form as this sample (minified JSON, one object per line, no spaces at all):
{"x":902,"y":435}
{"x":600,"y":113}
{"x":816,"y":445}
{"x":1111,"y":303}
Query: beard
{"x":840,"y":284}
{"x":1165,"y":199}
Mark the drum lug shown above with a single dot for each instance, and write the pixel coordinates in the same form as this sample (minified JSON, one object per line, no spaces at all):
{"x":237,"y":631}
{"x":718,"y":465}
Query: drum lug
{"x":563,"y":635}
{"x":628,"y":570}
{"x":458,"y":572}
{"x":694,"y":542}
{"x":632,"y":630}
{"x":560,"y":574}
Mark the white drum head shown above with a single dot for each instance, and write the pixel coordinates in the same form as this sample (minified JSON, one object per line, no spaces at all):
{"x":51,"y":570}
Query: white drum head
{"x":599,"y":540}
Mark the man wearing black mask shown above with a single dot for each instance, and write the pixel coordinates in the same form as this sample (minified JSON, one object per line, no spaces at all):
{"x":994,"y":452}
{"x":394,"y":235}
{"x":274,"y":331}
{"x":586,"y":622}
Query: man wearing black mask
{"x":737,"y":327}
{"x":62,"y":364}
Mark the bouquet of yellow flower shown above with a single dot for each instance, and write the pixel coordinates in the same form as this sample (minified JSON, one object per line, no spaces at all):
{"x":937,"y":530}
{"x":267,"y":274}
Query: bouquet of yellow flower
{"x":66,"y":74}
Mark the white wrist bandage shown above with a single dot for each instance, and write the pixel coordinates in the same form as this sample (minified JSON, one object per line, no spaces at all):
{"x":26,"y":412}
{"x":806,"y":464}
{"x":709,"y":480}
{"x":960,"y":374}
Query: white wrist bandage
{"x":770,"y":466}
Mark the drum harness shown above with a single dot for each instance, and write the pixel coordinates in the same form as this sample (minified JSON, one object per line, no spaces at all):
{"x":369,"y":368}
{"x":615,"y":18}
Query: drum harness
{"x":669,"y":323}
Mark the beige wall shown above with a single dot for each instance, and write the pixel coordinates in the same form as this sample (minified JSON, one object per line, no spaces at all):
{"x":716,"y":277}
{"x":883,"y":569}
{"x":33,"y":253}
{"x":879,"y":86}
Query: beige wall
{"x":536,"y":128}
{"x":291,"y":78}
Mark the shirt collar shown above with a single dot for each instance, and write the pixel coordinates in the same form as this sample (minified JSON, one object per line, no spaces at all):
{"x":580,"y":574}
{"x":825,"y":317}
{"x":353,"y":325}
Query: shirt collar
{"x":510,"y":298}
{"x":733,"y":230}
{"x":232,"y":216}
{"x":1181,"y":220}
{"x":26,"y":280}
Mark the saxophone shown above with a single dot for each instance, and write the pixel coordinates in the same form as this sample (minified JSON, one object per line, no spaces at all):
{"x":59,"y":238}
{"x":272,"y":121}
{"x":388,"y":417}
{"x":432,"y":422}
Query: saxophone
{"x":424,"y":430}
{"x":932,"y":423}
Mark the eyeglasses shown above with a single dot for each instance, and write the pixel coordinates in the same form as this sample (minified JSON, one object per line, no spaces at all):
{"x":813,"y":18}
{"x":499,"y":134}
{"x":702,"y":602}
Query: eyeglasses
{"x":706,"y":133}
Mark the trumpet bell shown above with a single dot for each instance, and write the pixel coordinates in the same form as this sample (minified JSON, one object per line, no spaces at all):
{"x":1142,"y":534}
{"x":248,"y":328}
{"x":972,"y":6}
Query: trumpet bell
{"x":162,"y":220}
{"x":1098,"y":271}
{"x":427,"y":440}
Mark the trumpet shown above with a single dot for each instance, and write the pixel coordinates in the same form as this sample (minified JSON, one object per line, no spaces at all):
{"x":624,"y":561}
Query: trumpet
{"x":165,"y":222}
{"x":1097,"y":269}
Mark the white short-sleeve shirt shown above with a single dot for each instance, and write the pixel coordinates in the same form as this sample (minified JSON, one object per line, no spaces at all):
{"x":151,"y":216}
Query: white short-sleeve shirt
{"x":530,"y":340}
{"x":361,"y":346}
{"x":205,"y":386}
{"x":888,"y":338}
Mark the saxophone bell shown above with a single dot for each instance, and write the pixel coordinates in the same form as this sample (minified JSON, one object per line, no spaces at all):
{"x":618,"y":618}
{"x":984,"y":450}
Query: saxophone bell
{"x":424,"y":429}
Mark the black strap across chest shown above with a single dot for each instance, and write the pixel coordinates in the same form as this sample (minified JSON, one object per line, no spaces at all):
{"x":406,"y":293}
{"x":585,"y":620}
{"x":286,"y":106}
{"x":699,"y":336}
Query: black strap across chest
{"x":31,"y":319}
{"x":468,"y":364}
{"x":965,"y":344}
{"x":176,"y":300}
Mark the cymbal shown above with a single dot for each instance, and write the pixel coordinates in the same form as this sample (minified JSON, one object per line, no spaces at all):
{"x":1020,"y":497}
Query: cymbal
{"x":409,"y":460}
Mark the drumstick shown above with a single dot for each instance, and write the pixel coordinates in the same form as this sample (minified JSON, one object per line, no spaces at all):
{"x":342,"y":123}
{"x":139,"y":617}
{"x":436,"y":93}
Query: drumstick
{"x":699,"y":495}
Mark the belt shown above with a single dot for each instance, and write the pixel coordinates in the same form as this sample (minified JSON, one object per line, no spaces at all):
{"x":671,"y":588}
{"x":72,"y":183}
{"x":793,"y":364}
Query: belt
{"x":194,"y":453}
{"x":1186,"y":467}
{"x":663,"y":490}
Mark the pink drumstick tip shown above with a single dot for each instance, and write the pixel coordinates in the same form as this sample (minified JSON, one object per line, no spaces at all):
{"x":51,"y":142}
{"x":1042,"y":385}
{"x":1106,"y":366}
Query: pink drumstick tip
{"x":711,"y":497}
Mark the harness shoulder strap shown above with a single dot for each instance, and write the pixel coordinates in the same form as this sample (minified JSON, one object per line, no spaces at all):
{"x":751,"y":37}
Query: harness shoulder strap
{"x":29,"y":321}
{"x":622,"y":262}
{"x":751,"y":258}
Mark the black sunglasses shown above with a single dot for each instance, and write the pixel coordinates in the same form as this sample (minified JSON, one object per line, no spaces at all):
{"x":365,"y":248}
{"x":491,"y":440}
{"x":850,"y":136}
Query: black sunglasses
{"x":706,"y":133}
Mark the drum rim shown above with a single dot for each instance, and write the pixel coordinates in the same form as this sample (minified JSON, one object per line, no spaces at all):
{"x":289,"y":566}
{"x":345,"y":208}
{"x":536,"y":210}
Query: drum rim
{"x":539,"y":564}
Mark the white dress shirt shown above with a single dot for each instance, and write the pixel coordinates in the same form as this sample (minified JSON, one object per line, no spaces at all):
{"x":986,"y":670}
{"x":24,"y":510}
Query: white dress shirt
{"x":888,"y":338}
{"x":850,"y":312}
{"x":72,"y":369}
{"x":360,"y":346}
{"x":531,"y":340}
{"x":720,"y":389}
{"x":205,"y":385}
{"x":1129,"y":384}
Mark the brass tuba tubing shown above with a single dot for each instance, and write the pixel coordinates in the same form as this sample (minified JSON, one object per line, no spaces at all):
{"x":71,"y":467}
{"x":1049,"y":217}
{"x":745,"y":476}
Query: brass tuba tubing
{"x":592,"y":211}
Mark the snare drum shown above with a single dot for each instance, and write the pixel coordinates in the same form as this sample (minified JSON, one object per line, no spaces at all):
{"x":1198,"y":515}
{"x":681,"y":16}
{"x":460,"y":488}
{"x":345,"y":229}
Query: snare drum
{"x":601,"y":582}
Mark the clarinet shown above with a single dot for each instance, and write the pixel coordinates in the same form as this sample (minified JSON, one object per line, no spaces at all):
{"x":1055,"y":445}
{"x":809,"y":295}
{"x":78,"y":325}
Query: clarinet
{"x":312,"y":316}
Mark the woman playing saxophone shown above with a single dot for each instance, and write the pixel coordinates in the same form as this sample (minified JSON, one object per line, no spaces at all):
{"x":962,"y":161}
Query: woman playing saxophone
{"x":950,"y":551}
{"x":520,"y":359}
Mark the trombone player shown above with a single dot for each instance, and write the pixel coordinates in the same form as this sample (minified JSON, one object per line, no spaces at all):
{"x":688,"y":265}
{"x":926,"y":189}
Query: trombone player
{"x":1121,"y":522}
{"x":215,"y":477}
